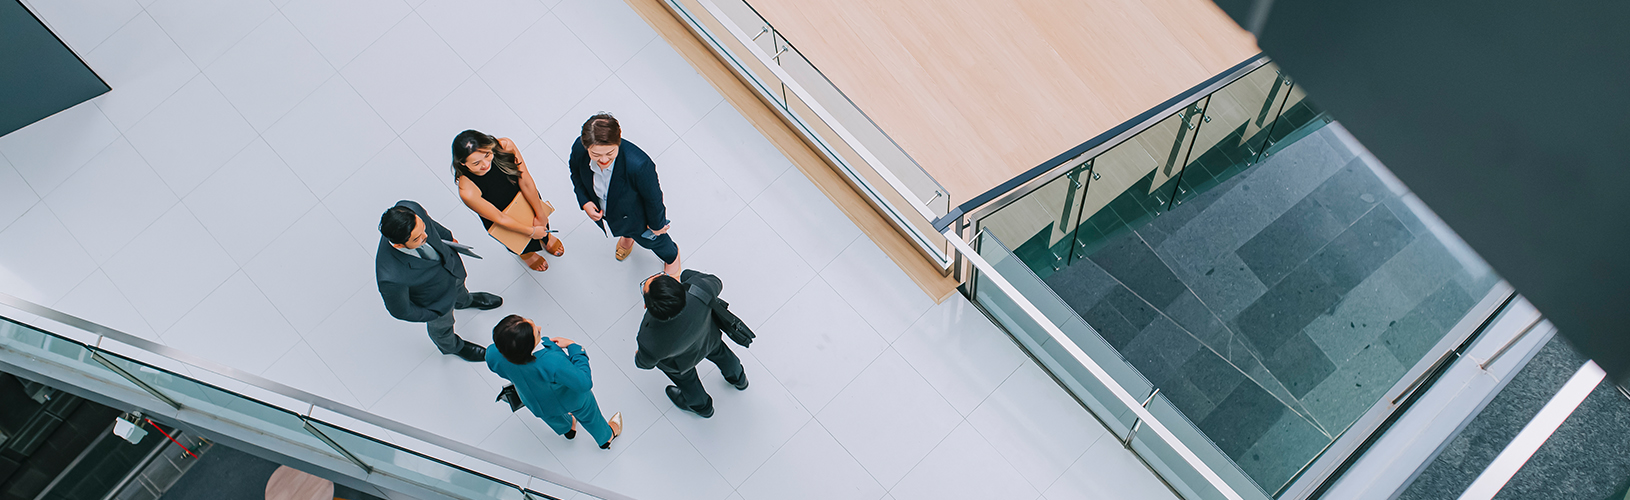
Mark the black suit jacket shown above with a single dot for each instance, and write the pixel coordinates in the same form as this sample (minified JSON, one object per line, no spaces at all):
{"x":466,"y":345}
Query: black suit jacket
{"x":636,"y":195}
{"x":677,"y":344}
{"x":416,"y":289}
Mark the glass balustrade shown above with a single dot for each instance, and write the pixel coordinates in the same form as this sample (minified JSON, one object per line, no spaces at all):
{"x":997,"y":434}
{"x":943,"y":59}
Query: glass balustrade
{"x":1095,"y":392}
{"x":1255,"y":266}
{"x":173,"y":394}
{"x":828,"y":120}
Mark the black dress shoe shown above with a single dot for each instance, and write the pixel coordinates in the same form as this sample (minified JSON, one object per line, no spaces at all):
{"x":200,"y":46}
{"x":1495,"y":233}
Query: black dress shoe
{"x":485,"y":301}
{"x":675,"y":395}
{"x":472,"y":353}
{"x":740,"y":385}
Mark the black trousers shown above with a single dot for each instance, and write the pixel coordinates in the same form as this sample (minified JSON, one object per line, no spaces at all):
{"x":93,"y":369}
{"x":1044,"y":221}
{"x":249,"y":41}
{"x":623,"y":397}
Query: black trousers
{"x":694,"y":395}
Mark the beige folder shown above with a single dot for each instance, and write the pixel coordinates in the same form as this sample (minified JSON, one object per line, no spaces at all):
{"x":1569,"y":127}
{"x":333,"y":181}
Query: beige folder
{"x":518,"y":210}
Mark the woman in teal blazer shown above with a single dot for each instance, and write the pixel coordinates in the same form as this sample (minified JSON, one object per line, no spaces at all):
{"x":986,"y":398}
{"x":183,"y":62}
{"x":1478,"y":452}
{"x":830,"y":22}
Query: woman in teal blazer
{"x":554,"y":382}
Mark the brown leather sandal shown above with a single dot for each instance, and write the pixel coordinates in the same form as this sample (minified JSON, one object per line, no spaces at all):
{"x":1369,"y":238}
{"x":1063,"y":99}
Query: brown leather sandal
{"x":535,"y":262}
{"x":556,"y":247}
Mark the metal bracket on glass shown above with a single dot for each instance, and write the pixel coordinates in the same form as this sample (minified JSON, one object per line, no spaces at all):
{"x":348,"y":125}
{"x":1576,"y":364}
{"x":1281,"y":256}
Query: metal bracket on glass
{"x":336,"y":446}
{"x":761,"y":32}
{"x":1133,"y":431}
{"x":132,"y":378}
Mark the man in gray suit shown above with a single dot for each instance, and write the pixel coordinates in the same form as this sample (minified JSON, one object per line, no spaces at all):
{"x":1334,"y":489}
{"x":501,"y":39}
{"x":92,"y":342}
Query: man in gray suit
{"x":679,"y":331}
{"x":421,"y":277}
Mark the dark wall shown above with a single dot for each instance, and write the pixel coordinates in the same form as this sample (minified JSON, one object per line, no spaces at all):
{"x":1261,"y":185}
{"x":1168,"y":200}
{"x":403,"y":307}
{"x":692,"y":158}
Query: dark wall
{"x":39,"y":75}
{"x":1511,"y":119}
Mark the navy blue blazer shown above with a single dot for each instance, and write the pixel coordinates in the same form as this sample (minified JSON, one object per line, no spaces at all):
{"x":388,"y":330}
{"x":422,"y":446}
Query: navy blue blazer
{"x":416,"y":289}
{"x":636,"y":195}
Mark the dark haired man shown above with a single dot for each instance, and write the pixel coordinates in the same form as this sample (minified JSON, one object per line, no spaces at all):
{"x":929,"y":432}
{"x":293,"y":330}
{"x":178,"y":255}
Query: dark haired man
{"x":678,"y":331}
{"x":422,"y":278}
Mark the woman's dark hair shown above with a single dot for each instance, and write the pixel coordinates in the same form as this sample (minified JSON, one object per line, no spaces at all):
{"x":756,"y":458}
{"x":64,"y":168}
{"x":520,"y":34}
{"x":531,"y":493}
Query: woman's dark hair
{"x":469,"y":141}
{"x":513,"y":336}
{"x":397,"y":224}
{"x":665,"y":298}
{"x":602,"y":130}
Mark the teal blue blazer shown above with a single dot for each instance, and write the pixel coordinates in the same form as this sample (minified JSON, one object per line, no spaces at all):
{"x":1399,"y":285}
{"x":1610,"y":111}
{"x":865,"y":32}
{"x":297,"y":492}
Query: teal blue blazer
{"x":554,"y":384}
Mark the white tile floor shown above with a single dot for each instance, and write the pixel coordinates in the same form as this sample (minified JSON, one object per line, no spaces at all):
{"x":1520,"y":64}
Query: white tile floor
{"x":222,"y":200}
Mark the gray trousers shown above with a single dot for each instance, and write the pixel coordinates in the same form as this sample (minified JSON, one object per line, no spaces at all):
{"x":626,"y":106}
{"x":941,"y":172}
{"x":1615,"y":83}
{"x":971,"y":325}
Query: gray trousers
{"x":441,"y":329}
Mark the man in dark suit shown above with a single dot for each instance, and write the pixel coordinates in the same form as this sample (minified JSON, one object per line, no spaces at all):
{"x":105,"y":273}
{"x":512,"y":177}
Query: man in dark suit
{"x":678,"y":331}
{"x":422,"y":278}
{"x":616,"y":184}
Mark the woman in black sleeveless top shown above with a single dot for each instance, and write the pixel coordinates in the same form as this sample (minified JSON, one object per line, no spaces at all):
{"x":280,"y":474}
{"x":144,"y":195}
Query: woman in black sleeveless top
{"x":490,"y":172}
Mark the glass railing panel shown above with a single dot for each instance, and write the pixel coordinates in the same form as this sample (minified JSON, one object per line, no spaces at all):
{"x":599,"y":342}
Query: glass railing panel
{"x":262,"y":419}
{"x":849,"y":116}
{"x":418,"y":469}
{"x":1039,"y":225}
{"x":1132,"y":182}
{"x":1169,"y":142}
{"x":1297,"y":118}
{"x":28,"y":341}
{"x":1184,"y":478}
{"x":882,"y":171}
{"x":896,"y":203}
{"x":1273,"y":302}
{"x":1087,"y":387}
{"x":1231,"y":135}
{"x":221,"y":404}
{"x":744,"y":19}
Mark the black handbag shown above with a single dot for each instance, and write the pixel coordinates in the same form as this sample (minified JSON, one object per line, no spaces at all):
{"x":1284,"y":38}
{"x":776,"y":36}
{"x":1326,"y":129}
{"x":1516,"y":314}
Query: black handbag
{"x":509,"y":395}
{"x":730,"y":324}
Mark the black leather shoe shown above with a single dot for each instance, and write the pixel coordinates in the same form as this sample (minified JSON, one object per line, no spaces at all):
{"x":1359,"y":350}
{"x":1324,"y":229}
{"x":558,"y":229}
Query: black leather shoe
{"x":675,"y":395}
{"x":741,"y":385}
{"x":472,"y":353}
{"x":485,"y":301}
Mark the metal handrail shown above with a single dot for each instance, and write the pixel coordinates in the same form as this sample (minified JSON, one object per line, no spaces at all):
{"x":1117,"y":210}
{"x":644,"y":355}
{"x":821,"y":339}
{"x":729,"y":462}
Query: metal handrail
{"x":1098,"y":371}
{"x":313,"y":401}
{"x":1507,"y":346}
{"x":984,"y":204}
{"x":769,"y":61}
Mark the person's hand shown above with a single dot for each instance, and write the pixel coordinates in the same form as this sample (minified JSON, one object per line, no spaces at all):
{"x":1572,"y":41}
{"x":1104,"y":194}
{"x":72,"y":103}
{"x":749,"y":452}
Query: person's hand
{"x":593,"y":211}
{"x":662,"y":231}
{"x":561,"y":341}
{"x":540,"y":220}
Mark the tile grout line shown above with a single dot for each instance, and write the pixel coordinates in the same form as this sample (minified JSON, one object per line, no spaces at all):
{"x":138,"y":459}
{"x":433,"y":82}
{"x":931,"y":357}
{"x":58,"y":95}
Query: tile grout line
{"x":815,"y":418}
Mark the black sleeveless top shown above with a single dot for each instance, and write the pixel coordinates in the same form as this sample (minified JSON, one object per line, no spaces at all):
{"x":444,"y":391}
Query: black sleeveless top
{"x":497,"y":189}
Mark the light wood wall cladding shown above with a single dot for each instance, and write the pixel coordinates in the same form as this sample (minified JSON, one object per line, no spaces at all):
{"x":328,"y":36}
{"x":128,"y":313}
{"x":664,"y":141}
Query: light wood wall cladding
{"x":979,"y":91}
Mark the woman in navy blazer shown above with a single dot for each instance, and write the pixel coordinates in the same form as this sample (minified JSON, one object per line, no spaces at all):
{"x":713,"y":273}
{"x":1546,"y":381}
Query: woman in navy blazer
{"x":554,"y":382}
{"x":616,"y":184}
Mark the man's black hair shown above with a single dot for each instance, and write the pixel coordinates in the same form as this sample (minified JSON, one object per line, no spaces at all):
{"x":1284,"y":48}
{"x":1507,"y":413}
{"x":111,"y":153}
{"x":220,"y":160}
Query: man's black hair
{"x":665,"y":297}
{"x":397,"y":224}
